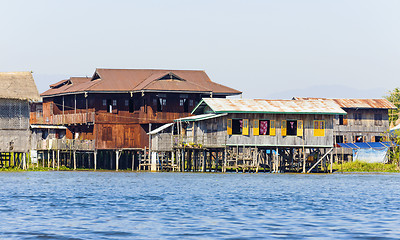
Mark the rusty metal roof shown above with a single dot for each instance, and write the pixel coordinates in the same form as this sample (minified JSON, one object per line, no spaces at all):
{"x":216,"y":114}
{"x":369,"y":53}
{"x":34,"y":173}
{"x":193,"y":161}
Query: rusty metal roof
{"x":219,"y":105}
{"x":357,"y":103}
{"x":127,"y":80}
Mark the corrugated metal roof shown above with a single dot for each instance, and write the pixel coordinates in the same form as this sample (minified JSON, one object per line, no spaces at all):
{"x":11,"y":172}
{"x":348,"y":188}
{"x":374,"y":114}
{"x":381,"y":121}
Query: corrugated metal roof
{"x":357,"y":103}
{"x":200,"y":117}
{"x":219,"y":105}
{"x":127,"y":80}
{"x":163,"y":127}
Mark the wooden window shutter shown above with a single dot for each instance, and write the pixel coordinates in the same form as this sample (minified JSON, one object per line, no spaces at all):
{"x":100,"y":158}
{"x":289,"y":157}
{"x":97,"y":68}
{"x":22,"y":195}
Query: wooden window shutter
{"x":283,"y":128}
{"x":229,"y":127}
{"x":272,"y":128}
{"x":344,"y":139}
{"x":319,"y":128}
{"x":245,"y":129}
{"x":300,"y":128}
{"x":345,"y":120}
{"x":373,"y":139}
{"x":256,"y":127}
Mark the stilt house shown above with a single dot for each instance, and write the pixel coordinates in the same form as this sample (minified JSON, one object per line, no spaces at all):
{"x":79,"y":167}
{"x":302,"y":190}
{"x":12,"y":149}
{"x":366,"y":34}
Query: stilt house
{"x":366,"y":121}
{"x":115,"y":108}
{"x":17,"y":90}
{"x":251,"y":133}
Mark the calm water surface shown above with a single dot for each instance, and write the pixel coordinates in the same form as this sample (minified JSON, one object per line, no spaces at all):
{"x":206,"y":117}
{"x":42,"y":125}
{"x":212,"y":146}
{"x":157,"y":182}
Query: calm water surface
{"x":109,"y":205}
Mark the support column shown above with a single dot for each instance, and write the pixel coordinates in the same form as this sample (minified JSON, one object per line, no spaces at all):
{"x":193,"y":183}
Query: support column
{"x":53,"y":160}
{"x":117,"y":154}
{"x":24,"y":161}
{"x":224,"y":167}
{"x":331,"y":168}
{"x":74,"y":160}
{"x":133,"y":161}
{"x":58,"y":159}
{"x":95,"y":160}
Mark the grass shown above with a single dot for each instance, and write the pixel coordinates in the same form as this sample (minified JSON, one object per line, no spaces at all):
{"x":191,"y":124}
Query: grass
{"x":359,"y":166}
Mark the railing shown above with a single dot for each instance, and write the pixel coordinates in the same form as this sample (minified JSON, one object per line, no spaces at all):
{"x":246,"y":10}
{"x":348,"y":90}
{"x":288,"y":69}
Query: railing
{"x":65,"y":144}
{"x":207,"y":140}
{"x":73,"y":118}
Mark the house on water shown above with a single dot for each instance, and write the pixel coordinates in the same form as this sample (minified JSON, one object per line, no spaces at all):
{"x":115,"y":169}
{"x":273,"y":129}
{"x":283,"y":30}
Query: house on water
{"x":366,"y":121}
{"x":278,"y":135}
{"x":17,"y":90}
{"x":116,"y":108}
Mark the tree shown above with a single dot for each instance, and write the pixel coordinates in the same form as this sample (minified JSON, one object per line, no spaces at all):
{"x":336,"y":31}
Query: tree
{"x":394,"y":97}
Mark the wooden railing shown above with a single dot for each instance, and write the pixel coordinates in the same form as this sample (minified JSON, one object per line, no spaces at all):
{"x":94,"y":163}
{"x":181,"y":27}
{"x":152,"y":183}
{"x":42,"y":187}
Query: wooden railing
{"x":206,"y":140}
{"x":65,"y":144}
{"x":73,"y":118}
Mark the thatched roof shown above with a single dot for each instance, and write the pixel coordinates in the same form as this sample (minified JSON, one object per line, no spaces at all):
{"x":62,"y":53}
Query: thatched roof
{"x":18,"y":85}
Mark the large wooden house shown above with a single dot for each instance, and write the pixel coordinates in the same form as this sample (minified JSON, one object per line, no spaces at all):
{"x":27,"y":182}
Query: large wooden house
{"x":275,"y":134}
{"x":17,"y":90}
{"x":115,"y":108}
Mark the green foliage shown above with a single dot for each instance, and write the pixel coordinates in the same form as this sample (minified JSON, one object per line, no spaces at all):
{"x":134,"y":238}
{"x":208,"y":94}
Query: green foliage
{"x":394,"y":97}
{"x":359,"y":166}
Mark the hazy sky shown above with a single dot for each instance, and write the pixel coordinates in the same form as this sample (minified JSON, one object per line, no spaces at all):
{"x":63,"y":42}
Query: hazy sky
{"x":279,"y":48}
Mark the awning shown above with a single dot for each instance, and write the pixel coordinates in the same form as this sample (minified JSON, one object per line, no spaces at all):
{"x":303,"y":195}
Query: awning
{"x":157,"y":130}
{"x":48,"y":126}
{"x":377,"y":145}
{"x":200,"y":117}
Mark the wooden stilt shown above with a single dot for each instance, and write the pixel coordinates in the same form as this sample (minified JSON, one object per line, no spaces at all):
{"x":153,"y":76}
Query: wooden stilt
{"x":133,"y":161}
{"x":58,"y":159}
{"x":95,"y":160}
{"x":117,"y":155}
{"x":74,"y":160}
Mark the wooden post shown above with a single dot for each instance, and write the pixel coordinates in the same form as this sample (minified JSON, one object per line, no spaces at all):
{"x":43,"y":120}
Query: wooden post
{"x":53,"y":160}
{"x":224,"y":167}
{"x":74,"y":160}
{"x":58,"y":159}
{"x":48,"y":158}
{"x":117,"y":154}
{"x":95,"y":160}
{"x":24,"y":161}
{"x":133,"y":161}
{"x":331,"y":162}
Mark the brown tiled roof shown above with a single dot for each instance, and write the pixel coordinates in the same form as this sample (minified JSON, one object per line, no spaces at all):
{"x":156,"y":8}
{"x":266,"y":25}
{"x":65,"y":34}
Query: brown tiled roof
{"x":142,"y":80}
{"x":357,"y":103}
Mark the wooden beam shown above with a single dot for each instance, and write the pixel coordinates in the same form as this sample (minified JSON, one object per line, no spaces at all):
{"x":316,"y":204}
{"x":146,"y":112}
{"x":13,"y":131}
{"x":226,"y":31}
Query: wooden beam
{"x":309,"y":170}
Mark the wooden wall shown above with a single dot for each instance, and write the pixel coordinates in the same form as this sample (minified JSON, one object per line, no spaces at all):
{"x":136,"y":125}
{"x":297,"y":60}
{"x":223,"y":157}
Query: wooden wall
{"x":367,"y":127}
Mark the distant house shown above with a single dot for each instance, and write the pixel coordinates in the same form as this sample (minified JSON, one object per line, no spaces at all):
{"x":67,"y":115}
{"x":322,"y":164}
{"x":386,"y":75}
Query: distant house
{"x":115,"y":108}
{"x":17,"y":90}
{"x":279,"y":134}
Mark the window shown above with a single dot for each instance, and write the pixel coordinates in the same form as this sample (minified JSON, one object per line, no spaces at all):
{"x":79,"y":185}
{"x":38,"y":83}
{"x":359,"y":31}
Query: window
{"x":114,"y":103}
{"x":319,"y":128}
{"x":378,"y":119}
{"x":126,"y":102}
{"x":378,"y":139}
{"x":342,"y":119}
{"x":184,"y":103}
{"x":339,"y":139}
{"x":161,"y":103}
{"x":107,"y":134}
{"x":104,"y":102}
{"x":264,"y":127}
{"x":237,"y":125}
{"x":131,"y":106}
{"x":357,"y":118}
{"x":291,"y":127}
{"x":191,"y":102}
{"x":358,"y":138}
{"x":109,"y":106}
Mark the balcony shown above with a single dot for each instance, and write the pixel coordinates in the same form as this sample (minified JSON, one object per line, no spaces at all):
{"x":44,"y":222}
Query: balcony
{"x":65,"y":144}
{"x":72,"y":118}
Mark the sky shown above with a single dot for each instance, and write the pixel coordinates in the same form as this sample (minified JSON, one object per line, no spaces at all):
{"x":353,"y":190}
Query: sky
{"x":265,"y":48}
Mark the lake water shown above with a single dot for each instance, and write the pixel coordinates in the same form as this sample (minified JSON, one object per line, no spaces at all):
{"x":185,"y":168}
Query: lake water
{"x":125,"y":205}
